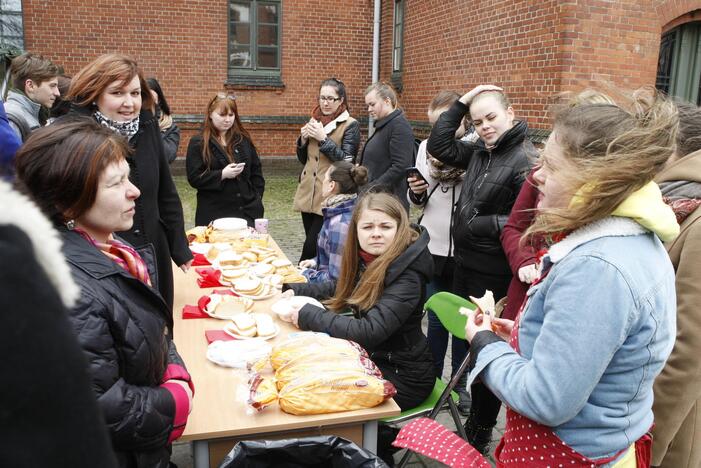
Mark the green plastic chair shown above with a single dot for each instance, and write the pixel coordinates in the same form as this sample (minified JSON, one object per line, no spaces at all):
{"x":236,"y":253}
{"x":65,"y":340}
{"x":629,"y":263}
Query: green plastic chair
{"x":445,"y":305}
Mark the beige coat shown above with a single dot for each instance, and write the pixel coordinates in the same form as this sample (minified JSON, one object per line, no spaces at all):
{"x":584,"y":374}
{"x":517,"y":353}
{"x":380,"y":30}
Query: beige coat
{"x":677,"y":406}
{"x":308,"y":196}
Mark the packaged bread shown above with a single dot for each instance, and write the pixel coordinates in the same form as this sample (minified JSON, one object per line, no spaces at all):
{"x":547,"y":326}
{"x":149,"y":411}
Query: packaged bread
{"x":321,"y":364}
{"x":333,"y":391}
{"x":262,"y":392}
{"x":313,"y":345}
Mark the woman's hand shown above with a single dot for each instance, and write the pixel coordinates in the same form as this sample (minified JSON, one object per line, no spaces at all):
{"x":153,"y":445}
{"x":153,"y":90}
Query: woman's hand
{"x":470,"y":95}
{"x":316,"y":130}
{"x":185,"y":387}
{"x":527,"y":274}
{"x":287,"y":294}
{"x":310,"y":263}
{"x":186,"y":266}
{"x":416,"y":185}
{"x":231,"y":171}
{"x":294,"y":316}
{"x":502,"y":327}
{"x":304,"y":134}
{"x":477,"y":321}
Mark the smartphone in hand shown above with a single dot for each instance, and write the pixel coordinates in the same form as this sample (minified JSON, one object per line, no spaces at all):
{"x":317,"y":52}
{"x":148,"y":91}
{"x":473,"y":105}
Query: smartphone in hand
{"x":415,"y":173}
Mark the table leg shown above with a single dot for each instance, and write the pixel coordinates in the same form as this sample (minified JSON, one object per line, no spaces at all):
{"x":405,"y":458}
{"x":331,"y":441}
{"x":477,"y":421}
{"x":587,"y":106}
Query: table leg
{"x":370,"y":436}
{"x":200,"y":453}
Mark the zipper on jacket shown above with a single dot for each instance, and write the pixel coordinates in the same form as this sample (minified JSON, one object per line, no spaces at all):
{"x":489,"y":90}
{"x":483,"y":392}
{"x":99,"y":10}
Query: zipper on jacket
{"x":475,"y":212}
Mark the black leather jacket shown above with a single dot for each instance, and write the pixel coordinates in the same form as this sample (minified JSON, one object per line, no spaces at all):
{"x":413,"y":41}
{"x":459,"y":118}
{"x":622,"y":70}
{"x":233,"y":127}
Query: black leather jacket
{"x":491,"y":184}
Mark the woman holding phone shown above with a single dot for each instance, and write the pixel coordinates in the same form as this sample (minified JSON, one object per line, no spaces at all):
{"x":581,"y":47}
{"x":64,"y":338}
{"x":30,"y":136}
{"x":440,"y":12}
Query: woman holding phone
{"x":223,"y":165}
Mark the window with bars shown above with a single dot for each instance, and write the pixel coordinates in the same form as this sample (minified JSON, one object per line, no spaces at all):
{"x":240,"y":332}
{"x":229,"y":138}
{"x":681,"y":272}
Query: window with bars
{"x":11,"y":28}
{"x":254,"y":42}
{"x":679,"y":63}
{"x":398,"y":41}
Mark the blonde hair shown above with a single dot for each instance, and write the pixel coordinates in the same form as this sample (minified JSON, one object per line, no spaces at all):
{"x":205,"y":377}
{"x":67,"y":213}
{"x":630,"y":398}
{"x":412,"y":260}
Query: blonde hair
{"x":364,"y":294}
{"x":384,"y":91}
{"x":610,"y":151}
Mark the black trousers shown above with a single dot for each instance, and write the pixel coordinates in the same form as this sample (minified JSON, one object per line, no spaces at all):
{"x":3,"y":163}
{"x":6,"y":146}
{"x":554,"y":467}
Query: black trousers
{"x":312,"y":226}
{"x":469,"y":282}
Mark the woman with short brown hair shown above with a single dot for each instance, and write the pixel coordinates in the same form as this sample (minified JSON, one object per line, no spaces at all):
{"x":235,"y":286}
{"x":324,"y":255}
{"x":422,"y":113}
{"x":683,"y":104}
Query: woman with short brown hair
{"x":112,"y":90}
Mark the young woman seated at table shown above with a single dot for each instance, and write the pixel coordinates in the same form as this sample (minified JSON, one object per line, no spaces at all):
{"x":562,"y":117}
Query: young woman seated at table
{"x":77,"y":173}
{"x":577,"y":366}
{"x":384,"y":270}
{"x":340,"y":194}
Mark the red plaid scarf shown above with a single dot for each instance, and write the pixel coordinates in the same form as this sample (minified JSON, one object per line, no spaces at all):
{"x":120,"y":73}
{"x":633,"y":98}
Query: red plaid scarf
{"x":123,"y":255}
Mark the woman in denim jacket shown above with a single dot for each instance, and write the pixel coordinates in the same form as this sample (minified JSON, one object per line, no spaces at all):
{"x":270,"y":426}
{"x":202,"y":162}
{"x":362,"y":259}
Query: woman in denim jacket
{"x":576,"y":367}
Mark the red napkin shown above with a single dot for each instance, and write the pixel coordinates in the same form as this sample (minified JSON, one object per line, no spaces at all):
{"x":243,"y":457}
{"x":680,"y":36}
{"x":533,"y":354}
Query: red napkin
{"x":209,"y":277}
{"x":198,"y":311}
{"x":193,"y":312}
{"x":429,"y":438}
{"x":199,"y":260}
{"x":217,"y":335}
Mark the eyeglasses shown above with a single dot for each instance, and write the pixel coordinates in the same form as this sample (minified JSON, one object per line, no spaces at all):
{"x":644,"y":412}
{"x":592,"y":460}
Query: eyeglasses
{"x":329,"y":99}
{"x":226,"y":96}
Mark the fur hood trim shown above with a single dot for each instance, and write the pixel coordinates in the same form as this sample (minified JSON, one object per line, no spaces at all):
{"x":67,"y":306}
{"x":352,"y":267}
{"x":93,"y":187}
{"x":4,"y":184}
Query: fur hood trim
{"x":21,"y":212}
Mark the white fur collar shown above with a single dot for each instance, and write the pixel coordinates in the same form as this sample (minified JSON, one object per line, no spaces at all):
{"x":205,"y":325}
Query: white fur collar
{"x":19,"y":211}
{"x":610,"y":226}
{"x":331,"y":126}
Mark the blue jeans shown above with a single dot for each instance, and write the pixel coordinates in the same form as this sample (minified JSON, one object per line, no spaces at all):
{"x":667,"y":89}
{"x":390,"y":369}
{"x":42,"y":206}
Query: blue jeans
{"x":437,"y":335}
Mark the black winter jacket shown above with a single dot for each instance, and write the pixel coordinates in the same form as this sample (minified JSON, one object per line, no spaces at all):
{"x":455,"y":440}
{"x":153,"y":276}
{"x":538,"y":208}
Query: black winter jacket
{"x":388,"y":153}
{"x":241,"y":197}
{"x":390,"y":331}
{"x":491,"y":184}
{"x":49,"y":416}
{"x":159,"y":214}
{"x":120,"y":323}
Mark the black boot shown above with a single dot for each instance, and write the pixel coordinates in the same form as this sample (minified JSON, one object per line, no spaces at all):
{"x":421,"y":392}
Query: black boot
{"x":478,"y":436}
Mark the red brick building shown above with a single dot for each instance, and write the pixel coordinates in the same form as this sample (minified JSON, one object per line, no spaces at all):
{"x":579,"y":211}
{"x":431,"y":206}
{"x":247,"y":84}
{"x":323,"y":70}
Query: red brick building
{"x":272,"y":54}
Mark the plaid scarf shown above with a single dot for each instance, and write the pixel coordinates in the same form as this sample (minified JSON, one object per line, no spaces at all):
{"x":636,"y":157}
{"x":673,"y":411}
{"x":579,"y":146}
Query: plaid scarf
{"x":682,"y":207}
{"x":123,"y":255}
{"x":128,"y":129}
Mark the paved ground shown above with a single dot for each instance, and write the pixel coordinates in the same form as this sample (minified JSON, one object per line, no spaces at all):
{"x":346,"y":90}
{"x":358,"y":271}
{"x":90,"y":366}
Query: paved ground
{"x":286,"y":229}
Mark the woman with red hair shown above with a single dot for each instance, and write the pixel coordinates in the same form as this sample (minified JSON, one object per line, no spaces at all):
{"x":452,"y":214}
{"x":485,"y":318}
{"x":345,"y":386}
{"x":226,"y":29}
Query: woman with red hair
{"x":223,"y":165}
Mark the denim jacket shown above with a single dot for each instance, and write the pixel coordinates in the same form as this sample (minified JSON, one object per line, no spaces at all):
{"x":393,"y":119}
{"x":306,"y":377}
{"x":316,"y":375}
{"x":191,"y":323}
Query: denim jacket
{"x":594,"y":334}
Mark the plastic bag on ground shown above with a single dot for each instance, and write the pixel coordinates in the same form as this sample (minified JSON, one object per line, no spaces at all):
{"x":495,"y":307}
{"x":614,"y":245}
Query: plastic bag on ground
{"x":317,"y":452}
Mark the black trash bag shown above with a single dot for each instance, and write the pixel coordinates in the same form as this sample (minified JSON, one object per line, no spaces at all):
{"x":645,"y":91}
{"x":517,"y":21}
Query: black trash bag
{"x":317,"y":452}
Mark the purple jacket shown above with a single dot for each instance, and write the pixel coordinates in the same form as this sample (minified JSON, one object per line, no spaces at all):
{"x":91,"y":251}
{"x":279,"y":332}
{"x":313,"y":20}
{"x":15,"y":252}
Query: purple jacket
{"x":9,"y":144}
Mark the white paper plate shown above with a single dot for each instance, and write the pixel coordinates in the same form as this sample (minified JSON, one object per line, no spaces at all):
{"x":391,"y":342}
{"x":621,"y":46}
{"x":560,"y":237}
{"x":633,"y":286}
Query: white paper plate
{"x":200,"y":247}
{"x":273,"y":292}
{"x":223,"y":317}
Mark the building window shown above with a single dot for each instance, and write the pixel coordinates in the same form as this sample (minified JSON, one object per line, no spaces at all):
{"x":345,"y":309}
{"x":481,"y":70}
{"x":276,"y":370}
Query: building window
{"x":11,"y":30}
{"x":679,"y":64}
{"x":398,"y":42}
{"x":254,"y":42}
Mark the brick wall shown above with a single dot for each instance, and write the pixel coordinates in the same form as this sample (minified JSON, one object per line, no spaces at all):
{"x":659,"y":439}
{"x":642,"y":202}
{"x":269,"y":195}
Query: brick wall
{"x":184,"y":45}
{"x":534,"y":49}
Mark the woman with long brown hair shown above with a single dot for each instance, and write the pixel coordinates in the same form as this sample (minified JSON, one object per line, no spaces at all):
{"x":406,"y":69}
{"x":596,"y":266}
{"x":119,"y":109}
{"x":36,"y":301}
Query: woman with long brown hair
{"x":384,"y":270}
{"x":113,"y":91}
{"x":223,"y":165}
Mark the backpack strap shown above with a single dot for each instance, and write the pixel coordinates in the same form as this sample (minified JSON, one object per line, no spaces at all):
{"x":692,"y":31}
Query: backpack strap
{"x":21,"y":124}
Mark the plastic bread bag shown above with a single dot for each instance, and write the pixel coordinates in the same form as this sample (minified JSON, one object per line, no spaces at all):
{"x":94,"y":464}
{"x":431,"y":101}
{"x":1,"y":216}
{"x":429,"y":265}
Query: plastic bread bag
{"x":239,"y":354}
{"x":262,"y":392}
{"x":330,"y":392}
{"x":328,"y":362}
{"x":313,"y":344}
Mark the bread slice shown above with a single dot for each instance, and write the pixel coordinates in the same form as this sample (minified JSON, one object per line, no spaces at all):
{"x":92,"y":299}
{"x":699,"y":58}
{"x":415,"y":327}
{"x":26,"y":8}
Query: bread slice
{"x":485,"y":303}
{"x":243,"y":325}
{"x":265,"y":325}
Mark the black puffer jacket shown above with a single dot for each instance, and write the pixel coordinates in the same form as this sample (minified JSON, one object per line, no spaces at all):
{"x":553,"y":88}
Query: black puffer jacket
{"x":120,"y":324}
{"x":241,"y":197}
{"x":491,"y":184}
{"x":391,"y":330}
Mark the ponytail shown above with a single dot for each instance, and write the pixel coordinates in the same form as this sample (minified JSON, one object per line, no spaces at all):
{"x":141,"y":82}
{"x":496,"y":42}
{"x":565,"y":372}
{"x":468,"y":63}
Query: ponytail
{"x":348,"y":176}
